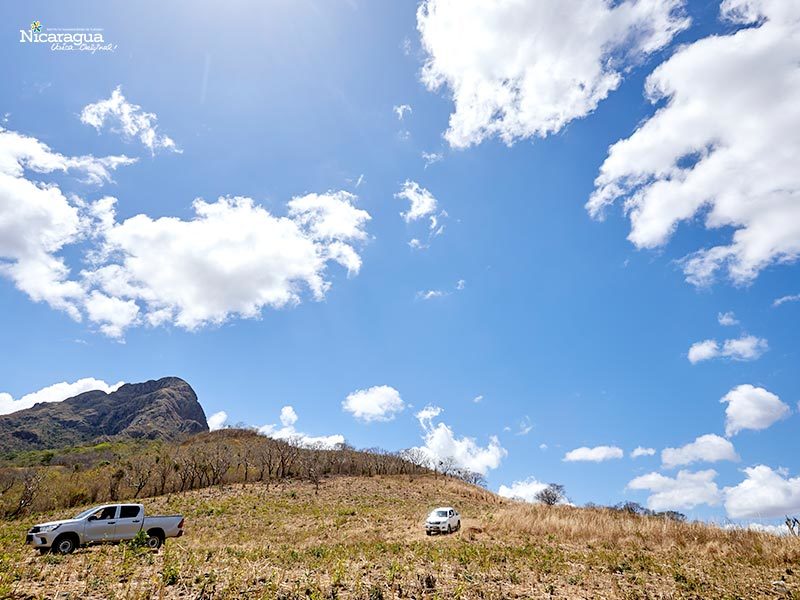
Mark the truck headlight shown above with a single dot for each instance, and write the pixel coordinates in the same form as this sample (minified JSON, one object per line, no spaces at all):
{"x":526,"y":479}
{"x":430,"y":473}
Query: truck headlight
{"x":48,"y":528}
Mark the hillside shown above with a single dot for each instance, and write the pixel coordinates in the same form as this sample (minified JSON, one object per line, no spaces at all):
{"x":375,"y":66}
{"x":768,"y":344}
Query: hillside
{"x":165,"y":409}
{"x":361,"y":537}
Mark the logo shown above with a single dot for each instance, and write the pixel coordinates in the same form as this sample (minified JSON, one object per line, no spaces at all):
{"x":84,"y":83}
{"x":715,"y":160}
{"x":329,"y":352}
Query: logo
{"x":67,"y":39}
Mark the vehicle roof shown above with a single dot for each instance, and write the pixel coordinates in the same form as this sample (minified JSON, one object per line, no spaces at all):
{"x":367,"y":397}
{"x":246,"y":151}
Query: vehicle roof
{"x":444,"y":508}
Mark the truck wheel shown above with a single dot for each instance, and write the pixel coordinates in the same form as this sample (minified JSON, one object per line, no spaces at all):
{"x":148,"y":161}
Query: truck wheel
{"x":64,"y":544}
{"x":154,"y":540}
{"x":44,"y":551}
{"x":449,"y":529}
{"x":428,"y":532}
{"x":458,"y":526}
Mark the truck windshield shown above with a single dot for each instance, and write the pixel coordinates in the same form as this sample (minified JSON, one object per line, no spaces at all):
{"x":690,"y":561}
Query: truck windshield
{"x":441,"y":513}
{"x":86,"y":513}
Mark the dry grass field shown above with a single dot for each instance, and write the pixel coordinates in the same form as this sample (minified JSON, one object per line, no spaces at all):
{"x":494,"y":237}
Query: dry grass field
{"x":363,"y":538}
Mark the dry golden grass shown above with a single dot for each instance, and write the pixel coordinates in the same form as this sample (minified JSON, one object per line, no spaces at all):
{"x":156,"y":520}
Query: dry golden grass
{"x":363,"y":538}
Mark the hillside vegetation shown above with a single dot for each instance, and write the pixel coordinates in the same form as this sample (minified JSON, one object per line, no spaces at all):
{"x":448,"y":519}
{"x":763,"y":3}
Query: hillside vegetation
{"x":362,"y":537}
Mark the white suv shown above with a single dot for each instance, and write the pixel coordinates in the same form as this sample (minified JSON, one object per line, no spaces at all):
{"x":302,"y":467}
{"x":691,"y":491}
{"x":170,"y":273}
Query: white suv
{"x":443,"y":520}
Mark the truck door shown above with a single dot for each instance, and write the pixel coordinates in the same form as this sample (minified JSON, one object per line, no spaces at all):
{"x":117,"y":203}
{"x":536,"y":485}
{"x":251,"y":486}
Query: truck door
{"x":100,"y":526}
{"x":129,"y":522}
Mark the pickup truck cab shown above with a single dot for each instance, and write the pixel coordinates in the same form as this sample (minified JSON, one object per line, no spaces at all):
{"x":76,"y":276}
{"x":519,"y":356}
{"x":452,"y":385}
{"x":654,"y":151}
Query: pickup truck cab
{"x":108,"y":523}
{"x":444,"y":519}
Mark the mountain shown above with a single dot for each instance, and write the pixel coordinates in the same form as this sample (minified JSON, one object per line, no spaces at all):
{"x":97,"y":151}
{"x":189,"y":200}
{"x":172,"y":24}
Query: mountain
{"x":164,"y":409}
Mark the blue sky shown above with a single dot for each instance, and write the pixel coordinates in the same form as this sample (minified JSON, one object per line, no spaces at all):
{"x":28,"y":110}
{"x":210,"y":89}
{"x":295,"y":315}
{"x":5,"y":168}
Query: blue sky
{"x":575,"y":331}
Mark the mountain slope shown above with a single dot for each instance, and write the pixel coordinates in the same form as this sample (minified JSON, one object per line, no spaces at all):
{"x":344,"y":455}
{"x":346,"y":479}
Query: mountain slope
{"x":163,"y":409}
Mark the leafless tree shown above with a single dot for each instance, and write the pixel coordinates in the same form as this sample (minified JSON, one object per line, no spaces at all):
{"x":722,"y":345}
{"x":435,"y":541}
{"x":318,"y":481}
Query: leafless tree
{"x":793,"y":523}
{"x":552,"y":494}
{"x":138,"y":473}
{"x":30,"y":480}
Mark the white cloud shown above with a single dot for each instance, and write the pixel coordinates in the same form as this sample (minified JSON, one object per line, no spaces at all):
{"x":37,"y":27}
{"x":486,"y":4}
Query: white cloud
{"x":705,"y":350}
{"x":752,"y":407}
{"x":430,"y":294}
{"x":764,"y":493}
{"x":431,"y":158}
{"x":378,"y":403}
{"x":714,"y":151}
{"x":39,"y":221}
{"x":785,"y":299}
{"x":288,"y":433}
{"x":747,"y":347}
{"x":113,"y":314}
{"x":685,"y":491}
{"x":422,"y":202}
{"x":461,"y":284}
{"x":54,"y":393}
{"x":477,"y":399}
{"x":233,"y":258}
{"x":727,"y":319}
{"x":401,"y":109}
{"x":217,"y":420}
{"x":525,"y":426}
{"x":288,"y":416}
{"x":760,"y":527}
{"x":442,"y":444}
{"x":706,"y":448}
{"x":525,"y":490}
{"x":523,"y":69}
{"x":127,"y":119}
{"x":641,"y":451}
{"x":596,"y":454}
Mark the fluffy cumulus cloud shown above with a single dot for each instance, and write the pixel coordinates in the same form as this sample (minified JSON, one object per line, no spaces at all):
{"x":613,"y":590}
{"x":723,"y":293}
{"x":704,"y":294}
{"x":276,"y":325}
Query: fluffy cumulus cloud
{"x":751,"y":407}
{"x":747,"y":347}
{"x":685,"y":491}
{"x":378,"y":403}
{"x":727,"y":319}
{"x":217,"y":420}
{"x":712,"y":150}
{"x":518,"y":69}
{"x":54,"y":393}
{"x":233,"y":258}
{"x":641,"y":451}
{"x":522,"y":490}
{"x":706,"y":448}
{"x":127,"y":119}
{"x":596,"y":454}
{"x":442,"y":444}
{"x":39,"y":220}
{"x":763,"y":493}
{"x":288,"y":433}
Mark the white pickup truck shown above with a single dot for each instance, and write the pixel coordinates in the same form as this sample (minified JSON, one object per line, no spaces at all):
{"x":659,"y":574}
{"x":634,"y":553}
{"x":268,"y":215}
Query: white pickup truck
{"x":444,"y":519}
{"x":108,"y":523}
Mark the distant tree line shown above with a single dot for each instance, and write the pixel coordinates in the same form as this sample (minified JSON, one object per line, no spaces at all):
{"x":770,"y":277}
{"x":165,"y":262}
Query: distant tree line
{"x":134,"y":470}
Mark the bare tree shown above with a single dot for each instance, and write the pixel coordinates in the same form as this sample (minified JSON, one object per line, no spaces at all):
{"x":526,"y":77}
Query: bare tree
{"x":164,"y":466}
{"x":793,"y":523}
{"x":468,"y":476}
{"x":138,"y":473}
{"x":30,"y":480}
{"x":552,"y":494}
